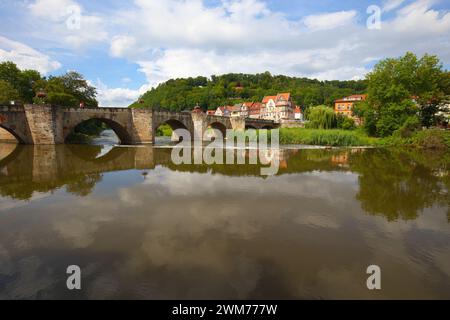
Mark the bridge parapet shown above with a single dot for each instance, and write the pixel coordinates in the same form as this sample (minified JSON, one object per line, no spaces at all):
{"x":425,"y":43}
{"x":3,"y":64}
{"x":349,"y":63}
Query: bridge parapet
{"x":46,"y":124}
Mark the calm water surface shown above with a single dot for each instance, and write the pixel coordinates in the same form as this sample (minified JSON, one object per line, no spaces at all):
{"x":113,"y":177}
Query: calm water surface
{"x":142,"y":227}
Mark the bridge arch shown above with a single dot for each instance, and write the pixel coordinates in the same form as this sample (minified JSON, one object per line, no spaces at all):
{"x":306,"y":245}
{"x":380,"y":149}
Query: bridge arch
{"x":174,"y":124}
{"x":120,"y":130}
{"x":15,"y":134}
{"x":218,"y":126}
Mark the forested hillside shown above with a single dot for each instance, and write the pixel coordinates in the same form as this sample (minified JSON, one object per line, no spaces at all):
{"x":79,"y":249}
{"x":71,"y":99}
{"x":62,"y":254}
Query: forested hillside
{"x":228,"y":89}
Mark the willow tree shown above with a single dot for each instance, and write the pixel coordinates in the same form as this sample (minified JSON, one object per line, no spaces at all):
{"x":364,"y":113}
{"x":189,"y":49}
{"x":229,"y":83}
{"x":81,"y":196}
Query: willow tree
{"x":322,"y":117}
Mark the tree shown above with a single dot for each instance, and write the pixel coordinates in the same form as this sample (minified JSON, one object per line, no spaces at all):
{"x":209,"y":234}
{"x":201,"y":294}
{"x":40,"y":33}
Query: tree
{"x":7,"y":93}
{"x":10,"y":73}
{"x":399,"y":89}
{"x":21,"y":81}
{"x":67,"y":90}
{"x":181,"y":94}
{"x":321,"y":117}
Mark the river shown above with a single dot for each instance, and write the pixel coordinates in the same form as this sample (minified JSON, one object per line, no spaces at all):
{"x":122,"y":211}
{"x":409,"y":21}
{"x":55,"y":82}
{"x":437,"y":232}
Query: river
{"x":141,"y":227}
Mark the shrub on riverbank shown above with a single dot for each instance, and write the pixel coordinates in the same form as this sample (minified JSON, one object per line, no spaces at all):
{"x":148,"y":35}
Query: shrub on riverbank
{"x":78,"y":138}
{"x":164,"y":131}
{"x":324,"y":137}
{"x":426,"y":139}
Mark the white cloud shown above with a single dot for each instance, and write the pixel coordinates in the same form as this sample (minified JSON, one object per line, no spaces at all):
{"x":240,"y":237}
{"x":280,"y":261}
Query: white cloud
{"x":176,"y":38}
{"x":330,"y":20}
{"x":239,"y":36}
{"x":390,"y":5}
{"x":179,"y":63}
{"x":63,"y":22}
{"x":26,"y":57}
{"x":122,"y":46}
{"x":419,"y":18}
{"x":55,"y":10}
{"x":117,"y":97}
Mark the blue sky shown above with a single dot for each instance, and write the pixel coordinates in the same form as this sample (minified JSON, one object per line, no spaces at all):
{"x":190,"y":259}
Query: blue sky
{"x":126,"y":47}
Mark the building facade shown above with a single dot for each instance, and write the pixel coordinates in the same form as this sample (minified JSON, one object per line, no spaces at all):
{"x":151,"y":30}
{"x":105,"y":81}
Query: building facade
{"x":278,"y":108}
{"x":345,"y":106}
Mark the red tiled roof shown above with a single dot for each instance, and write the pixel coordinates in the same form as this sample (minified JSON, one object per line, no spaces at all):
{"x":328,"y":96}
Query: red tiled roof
{"x":255,"y":108}
{"x":297,"y":110}
{"x":267,"y":98}
{"x":353,"y":98}
{"x":284,"y":96}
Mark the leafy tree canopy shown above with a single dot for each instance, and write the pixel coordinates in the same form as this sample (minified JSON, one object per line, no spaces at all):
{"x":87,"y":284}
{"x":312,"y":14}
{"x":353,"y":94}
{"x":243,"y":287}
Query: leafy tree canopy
{"x":402,"y":88}
{"x":21,"y":81}
{"x":66,"y":90}
{"x":7,"y":93}
{"x":228,"y":89}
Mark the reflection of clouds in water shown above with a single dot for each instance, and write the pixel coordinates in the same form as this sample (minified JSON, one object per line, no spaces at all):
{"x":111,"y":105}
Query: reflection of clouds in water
{"x":192,"y":235}
{"x":32,"y":279}
{"x":6,"y":265}
{"x":80,"y":222}
{"x":330,"y":186}
{"x":318,"y":220}
{"x":405,"y":243}
{"x":7,"y":204}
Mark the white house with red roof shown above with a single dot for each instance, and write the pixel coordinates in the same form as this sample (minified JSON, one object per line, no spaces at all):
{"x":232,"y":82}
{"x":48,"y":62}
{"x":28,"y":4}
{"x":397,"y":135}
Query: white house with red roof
{"x":298,"y":114}
{"x":278,"y":108}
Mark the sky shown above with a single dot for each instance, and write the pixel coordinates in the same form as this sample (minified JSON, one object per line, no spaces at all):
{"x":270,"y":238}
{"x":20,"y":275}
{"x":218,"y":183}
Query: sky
{"x":125,"y":47}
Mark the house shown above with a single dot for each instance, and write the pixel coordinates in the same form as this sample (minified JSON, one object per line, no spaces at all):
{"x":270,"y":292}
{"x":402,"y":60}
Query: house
{"x":278,"y":108}
{"x":211,"y":112}
{"x":298,"y":114}
{"x":224,"y":111}
{"x":254,"y":111}
{"x":237,"y":110}
{"x":345,"y":105}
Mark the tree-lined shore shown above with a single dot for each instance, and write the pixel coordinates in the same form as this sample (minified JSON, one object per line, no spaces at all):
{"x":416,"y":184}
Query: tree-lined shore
{"x":406,"y":96}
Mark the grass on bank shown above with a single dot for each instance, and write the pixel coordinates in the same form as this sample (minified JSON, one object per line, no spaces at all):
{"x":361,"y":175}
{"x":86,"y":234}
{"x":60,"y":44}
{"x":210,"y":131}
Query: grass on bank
{"x":426,"y":139}
{"x":326,"y":137}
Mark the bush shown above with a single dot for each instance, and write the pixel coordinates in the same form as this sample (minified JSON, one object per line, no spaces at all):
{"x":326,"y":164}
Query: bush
{"x":346,"y":123}
{"x":164,"y":131}
{"x":78,"y":138}
{"x":411,"y":125}
{"x":426,"y":139}
{"x":433,"y":139}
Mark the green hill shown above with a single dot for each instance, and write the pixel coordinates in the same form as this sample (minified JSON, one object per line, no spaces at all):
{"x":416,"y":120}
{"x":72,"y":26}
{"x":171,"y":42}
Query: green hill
{"x":228,"y":89}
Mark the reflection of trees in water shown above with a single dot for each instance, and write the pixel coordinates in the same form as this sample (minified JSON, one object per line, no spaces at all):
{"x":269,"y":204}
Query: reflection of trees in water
{"x":399,"y":184}
{"x":77,"y":184}
{"x":393,"y":183}
{"x":83,"y":185}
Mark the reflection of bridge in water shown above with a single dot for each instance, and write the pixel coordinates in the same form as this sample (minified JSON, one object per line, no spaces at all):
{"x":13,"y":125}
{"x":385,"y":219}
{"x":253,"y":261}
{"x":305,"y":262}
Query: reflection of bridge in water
{"x":417,"y":184}
{"x":47,"y":167}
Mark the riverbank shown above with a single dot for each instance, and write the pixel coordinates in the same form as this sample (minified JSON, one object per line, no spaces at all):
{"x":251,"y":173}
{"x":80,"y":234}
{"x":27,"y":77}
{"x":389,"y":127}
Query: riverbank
{"x":322,"y":137}
{"x":426,"y":139}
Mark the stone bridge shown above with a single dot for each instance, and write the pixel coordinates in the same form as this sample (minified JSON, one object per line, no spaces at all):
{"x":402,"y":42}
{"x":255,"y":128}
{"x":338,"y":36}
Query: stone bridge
{"x":47,"y":125}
